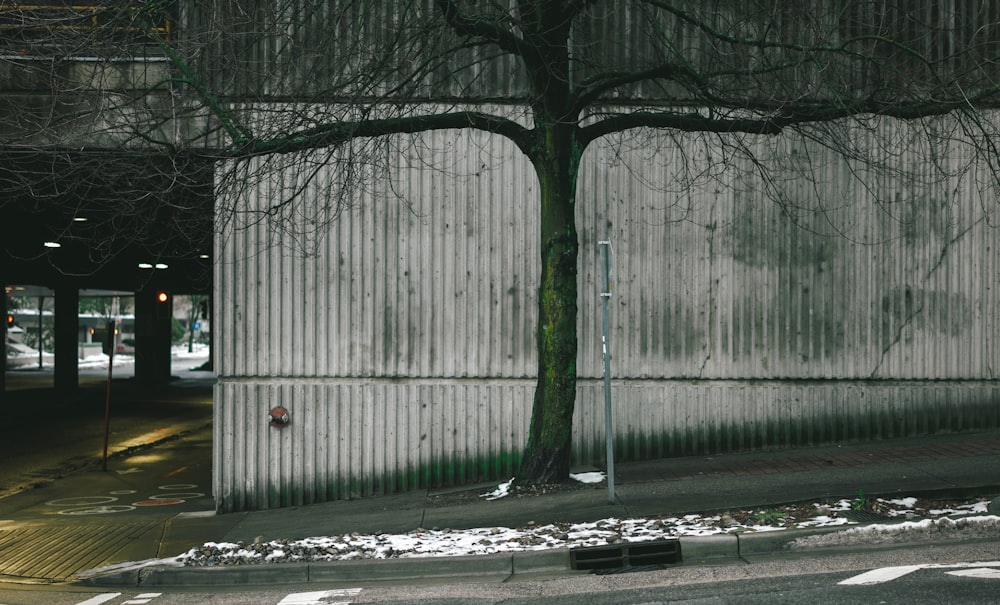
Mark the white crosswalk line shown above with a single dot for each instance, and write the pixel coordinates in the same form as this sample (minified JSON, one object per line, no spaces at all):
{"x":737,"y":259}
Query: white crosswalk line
{"x":981,"y":572}
{"x":142,"y":599}
{"x":878,"y":576}
{"x":101,"y":598}
{"x":319,"y":597}
{"x":983,"y":569}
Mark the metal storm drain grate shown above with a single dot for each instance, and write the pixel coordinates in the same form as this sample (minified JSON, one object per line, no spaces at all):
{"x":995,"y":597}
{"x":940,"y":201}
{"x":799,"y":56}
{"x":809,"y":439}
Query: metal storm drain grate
{"x":863,"y":516}
{"x":626,"y":556}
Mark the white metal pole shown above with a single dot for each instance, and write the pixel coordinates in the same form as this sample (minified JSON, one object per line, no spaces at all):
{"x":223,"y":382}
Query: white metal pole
{"x":608,"y":432}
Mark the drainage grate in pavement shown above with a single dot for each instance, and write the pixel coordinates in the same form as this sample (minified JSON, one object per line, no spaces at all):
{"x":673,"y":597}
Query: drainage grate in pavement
{"x":628,"y":556}
{"x":864,"y":516}
{"x":630,"y":569}
{"x":57,"y":553}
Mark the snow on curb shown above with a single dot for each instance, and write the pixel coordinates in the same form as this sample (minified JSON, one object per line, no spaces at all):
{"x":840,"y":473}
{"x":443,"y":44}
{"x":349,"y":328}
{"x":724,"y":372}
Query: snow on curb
{"x":965,"y":528}
{"x":492,"y":540}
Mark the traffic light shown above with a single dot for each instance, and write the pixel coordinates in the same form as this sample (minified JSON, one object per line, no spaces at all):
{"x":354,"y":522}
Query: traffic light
{"x":164,"y":308}
{"x":10,"y":320}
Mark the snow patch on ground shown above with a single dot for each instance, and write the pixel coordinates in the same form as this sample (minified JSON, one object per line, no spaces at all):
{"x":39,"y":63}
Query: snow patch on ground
{"x":591,"y":477}
{"x":964,"y":528}
{"x":502,"y":491}
{"x":490,"y":540}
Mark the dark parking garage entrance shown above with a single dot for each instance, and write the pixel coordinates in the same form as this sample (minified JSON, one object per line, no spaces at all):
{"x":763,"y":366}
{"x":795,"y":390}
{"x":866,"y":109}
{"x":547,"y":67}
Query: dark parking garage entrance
{"x":115,"y":222}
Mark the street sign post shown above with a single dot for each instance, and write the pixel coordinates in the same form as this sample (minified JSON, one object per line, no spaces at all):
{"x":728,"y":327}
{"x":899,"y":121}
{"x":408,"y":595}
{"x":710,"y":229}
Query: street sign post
{"x":606,"y":253}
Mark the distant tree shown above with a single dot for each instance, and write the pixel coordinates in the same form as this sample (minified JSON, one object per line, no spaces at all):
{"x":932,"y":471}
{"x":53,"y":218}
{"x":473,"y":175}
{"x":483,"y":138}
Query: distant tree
{"x":177,"y":330}
{"x":39,"y":335}
{"x":196,"y":304}
{"x":108,"y":307}
{"x":270,"y":85}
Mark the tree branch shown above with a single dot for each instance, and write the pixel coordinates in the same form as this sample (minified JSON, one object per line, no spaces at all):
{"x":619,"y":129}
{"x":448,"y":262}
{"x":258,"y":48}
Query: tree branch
{"x":609,"y":81}
{"x":480,"y":28}
{"x":332,"y":134}
{"x":764,"y":43}
{"x":689,"y":122}
{"x":769,"y":121}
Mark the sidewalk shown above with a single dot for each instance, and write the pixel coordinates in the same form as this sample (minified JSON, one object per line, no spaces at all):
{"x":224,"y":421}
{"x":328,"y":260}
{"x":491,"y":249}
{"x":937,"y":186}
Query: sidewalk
{"x":944,"y":467}
{"x":40,"y":546}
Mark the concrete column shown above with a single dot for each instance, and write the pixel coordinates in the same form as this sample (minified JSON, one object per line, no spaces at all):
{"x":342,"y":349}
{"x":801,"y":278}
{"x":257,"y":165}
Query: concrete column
{"x":67,"y":336}
{"x":153,"y":325}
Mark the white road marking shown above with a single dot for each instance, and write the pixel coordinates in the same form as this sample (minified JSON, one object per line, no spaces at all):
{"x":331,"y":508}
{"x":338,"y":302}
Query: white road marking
{"x":981,"y":572}
{"x":878,"y":576}
{"x":319,"y":597}
{"x":101,"y":598}
{"x":142,"y":599}
{"x":888,"y":574}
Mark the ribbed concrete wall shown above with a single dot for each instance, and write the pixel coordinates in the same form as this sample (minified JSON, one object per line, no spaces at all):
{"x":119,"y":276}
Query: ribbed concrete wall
{"x":747,"y":314}
{"x":259,"y":47}
{"x":728,"y":276}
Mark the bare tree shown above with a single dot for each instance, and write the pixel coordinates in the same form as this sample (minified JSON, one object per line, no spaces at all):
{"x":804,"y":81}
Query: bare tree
{"x":80,"y":95}
{"x":296,"y":84}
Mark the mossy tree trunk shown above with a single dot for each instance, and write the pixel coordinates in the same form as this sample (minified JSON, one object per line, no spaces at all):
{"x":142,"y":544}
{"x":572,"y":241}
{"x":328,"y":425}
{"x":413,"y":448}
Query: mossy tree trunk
{"x":555,"y":153}
{"x":547,"y":454}
{"x":546,"y":457}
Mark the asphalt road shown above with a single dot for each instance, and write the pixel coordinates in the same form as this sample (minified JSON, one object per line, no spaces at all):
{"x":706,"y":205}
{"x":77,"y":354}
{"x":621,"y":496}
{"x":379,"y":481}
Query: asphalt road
{"x":53,"y":438}
{"x":49,"y":436}
{"x":941,"y":573}
{"x":65,"y":508}
{"x":147,"y":483}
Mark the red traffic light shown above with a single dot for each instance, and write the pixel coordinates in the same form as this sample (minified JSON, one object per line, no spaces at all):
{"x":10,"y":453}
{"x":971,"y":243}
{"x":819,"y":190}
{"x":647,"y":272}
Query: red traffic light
{"x":163,"y":304}
{"x":10,"y":319}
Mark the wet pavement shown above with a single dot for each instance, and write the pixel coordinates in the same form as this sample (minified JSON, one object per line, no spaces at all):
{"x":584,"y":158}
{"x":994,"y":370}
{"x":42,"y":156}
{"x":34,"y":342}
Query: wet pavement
{"x":154,"y":502}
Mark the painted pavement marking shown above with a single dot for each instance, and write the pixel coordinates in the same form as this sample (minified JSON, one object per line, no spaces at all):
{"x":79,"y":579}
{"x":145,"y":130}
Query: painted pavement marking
{"x":82,"y":501}
{"x":97,"y":510}
{"x":879,"y":576}
{"x":142,"y":599}
{"x":981,"y":572}
{"x":101,"y":505}
{"x":139,"y":599}
{"x":101,"y":598}
{"x":888,"y":574}
{"x":319,"y":597}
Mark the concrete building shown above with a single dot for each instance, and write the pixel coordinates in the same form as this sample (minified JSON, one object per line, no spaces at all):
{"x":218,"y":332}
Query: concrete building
{"x":769,"y":292}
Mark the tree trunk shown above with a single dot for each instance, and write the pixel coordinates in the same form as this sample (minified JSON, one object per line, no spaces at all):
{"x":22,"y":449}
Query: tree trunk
{"x":547,"y":454}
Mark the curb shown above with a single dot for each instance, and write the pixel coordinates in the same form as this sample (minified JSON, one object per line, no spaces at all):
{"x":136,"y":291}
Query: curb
{"x":700,"y":550}
{"x":496,"y":566}
{"x":695,"y":550}
{"x":500,"y":566}
{"x":709,"y":549}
